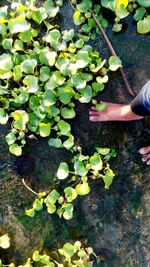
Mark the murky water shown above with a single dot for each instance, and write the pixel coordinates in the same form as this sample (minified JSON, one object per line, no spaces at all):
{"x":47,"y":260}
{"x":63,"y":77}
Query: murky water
{"x":114,"y":222}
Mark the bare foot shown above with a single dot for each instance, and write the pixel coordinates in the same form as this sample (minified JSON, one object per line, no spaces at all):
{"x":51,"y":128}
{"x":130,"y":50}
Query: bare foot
{"x":113,"y":112}
{"x":145,"y":152}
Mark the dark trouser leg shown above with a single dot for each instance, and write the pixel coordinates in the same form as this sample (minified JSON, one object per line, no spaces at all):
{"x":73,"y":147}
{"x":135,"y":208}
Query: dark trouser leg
{"x":141,"y":103}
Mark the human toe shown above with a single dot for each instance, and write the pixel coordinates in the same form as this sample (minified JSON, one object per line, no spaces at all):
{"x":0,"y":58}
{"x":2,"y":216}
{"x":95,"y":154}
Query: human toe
{"x":94,"y":113}
{"x":144,"y":150}
{"x":94,"y":118}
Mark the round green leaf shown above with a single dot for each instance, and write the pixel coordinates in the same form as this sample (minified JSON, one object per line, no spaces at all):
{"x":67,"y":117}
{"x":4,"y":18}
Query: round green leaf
{"x":80,"y":169}
{"x":114,"y":63}
{"x":68,"y":113}
{"x":96,"y":162}
{"x":108,"y":178}
{"x":83,"y":189}
{"x":143,"y":26}
{"x":28,"y":66}
{"x":10,"y":138}
{"x":68,"y":213}
{"x":55,"y":142}
{"x":6,"y":62}
{"x":3,"y":116}
{"x":144,"y":3}
{"x":38,"y":204}
{"x":15,"y":149}
{"x":30,"y":212}
{"x":18,"y":24}
{"x":63,"y":171}
{"x":44,"y":129}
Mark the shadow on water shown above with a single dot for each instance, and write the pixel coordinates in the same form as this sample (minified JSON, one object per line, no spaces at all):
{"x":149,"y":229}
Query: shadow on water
{"x":114,"y":222}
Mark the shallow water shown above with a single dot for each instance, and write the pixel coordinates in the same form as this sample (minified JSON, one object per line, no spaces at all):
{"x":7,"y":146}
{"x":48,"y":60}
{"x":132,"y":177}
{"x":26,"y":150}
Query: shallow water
{"x":114,"y":222}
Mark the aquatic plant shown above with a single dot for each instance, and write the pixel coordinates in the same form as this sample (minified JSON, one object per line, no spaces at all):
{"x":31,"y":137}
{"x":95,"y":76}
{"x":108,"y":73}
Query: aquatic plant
{"x":77,"y":179}
{"x":41,"y":77}
{"x":121,"y":9}
{"x":70,"y":255}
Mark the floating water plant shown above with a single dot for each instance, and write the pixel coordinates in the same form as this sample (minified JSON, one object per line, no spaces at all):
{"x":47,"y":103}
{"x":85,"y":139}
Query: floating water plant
{"x":77,"y":179}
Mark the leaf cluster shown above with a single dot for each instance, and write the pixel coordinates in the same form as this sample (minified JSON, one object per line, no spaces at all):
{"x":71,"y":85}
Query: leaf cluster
{"x":70,"y":255}
{"x":84,"y":168}
{"x":41,"y":78}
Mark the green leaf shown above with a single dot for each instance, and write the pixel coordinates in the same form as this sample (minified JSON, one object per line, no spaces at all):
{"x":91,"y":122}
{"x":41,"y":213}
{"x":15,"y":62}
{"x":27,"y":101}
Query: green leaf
{"x":64,"y":127}
{"x":108,"y":178}
{"x":143,"y":26}
{"x":7,"y":43}
{"x":52,"y":197}
{"x":139,"y":13}
{"x":39,"y":15}
{"x":3,"y":116}
{"x":114,"y":63}
{"x":80,"y":168}
{"x":68,"y":113}
{"x":44,"y":74}
{"x":79,"y":43}
{"x":68,"y":35}
{"x":38,"y":204}
{"x":10,"y":138}
{"x":69,"y":143}
{"x":26,"y":36}
{"x":28,"y":66}
{"x":55,"y":142}
{"x":83,"y":189}
{"x":49,"y":98}
{"x":3,"y":29}
{"x":100,"y":107}
{"x":77,"y":18}
{"x":6,"y":62}
{"x":121,"y":12}
{"x":18,"y":24}
{"x":15,"y":149}
{"x":63,"y":171}
{"x":30,"y":212}
{"x":50,"y":8}
{"x":21,"y":115}
{"x":36,"y":256}
{"x":68,"y":214}
{"x":32,"y":83}
{"x":18,"y":45}
{"x":103,"y":151}
{"x":96,"y":162}
{"x":47,"y":57}
{"x":84,"y":6}
{"x":4,"y":241}
{"x":44,"y":129}
{"x":86,"y":94}
{"x":33,"y":102}
{"x":70,"y":194}
{"x":51,"y":208}
{"x":144,"y":3}
{"x":53,"y":37}
{"x":97,"y":87}
{"x":3,"y":12}
{"x":83,"y":59}
{"x":117,"y":27}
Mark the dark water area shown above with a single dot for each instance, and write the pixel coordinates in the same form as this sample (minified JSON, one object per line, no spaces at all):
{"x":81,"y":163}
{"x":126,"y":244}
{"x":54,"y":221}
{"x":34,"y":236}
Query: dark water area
{"x":114,"y":222}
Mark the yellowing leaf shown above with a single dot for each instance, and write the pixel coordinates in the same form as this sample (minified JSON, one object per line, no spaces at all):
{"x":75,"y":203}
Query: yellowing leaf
{"x":121,"y":2}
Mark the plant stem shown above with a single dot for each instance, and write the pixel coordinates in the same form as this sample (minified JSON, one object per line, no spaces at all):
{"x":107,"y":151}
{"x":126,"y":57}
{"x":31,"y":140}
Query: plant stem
{"x":112,"y":52}
{"x":30,"y":189}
